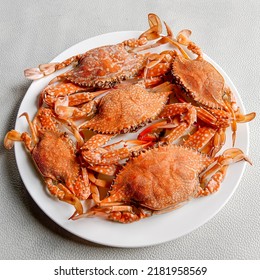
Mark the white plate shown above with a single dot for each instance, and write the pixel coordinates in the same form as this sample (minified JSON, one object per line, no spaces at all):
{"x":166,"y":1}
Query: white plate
{"x":150,"y":231}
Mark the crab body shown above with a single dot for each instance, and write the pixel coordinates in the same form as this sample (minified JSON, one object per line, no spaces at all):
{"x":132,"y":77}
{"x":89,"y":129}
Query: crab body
{"x":55,"y":158}
{"x":54,"y":154}
{"x":201,"y":80}
{"x":125,"y":109}
{"x":101,"y":67}
{"x":162,"y":179}
{"x":105,"y":66}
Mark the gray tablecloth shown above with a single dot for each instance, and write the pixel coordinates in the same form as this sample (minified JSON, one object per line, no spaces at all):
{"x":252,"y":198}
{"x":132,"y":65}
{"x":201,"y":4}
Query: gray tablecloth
{"x":36,"y":31}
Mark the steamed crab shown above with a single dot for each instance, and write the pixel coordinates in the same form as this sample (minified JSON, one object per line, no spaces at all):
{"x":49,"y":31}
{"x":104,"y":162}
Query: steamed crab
{"x":104,"y":66}
{"x":204,"y":84}
{"x":154,"y":180}
{"x":162,"y":179}
{"x":125,"y":109}
{"x":53,"y":152}
{"x":198,"y":78}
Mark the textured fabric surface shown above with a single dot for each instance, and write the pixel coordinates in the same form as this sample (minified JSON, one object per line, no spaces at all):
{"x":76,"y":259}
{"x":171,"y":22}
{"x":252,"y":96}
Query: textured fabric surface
{"x":36,"y":31}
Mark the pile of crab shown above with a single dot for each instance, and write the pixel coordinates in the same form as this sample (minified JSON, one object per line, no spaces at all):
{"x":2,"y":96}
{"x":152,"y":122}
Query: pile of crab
{"x":133,"y":131}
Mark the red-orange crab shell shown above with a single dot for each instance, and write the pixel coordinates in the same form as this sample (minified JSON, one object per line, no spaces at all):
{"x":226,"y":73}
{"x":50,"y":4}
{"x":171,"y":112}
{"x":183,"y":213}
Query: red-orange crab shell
{"x":160,"y":178}
{"x":55,"y":156}
{"x":201,"y":80}
{"x":104,"y":66}
{"x":125,"y":109}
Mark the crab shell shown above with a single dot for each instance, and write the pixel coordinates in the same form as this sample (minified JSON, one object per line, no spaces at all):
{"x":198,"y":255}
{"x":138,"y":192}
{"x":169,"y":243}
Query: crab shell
{"x":160,"y":178}
{"x":104,"y":66}
{"x":55,"y":158}
{"x":125,"y":109}
{"x":201,"y":80}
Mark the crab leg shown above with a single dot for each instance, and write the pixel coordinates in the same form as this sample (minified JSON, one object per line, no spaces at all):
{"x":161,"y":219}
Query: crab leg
{"x":214,"y":183}
{"x":240,"y":118}
{"x":63,"y":194}
{"x":97,"y":182}
{"x":164,"y":40}
{"x":117,"y":213}
{"x":46,"y":69}
{"x":183,"y":39}
{"x":200,"y":138}
{"x":212,"y":177}
{"x":48,"y":113}
{"x":219,"y":120}
{"x":128,"y":216}
{"x":64,"y":111}
{"x":81,"y":187}
{"x":155,"y":27}
{"x":102,"y":156}
{"x":176,"y":133}
{"x":94,"y":144}
{"x":96,"y":141}
{"x":109,"y":170}
{"x":52,"y":91}
{"x":32,"y":128}
{"x":123,"y":213}
{"x":149,"y":134}
{"x":95,"y":193}
{"x":237,"y":116}
{"x":77,"y":94}
{"x":157,"y":65}
{"x":14,"y":135}
{"x":155,"y":32}
{"x":11,"y":137}
{"x":218,"y":141}
{"x":233,"y":122}
{"x":187,"y":116}
{"x":223,"y":119}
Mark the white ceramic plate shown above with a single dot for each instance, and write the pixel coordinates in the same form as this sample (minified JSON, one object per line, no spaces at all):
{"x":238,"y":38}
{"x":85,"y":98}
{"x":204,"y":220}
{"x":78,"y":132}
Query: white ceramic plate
{"x":150,"y":231}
